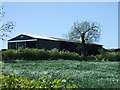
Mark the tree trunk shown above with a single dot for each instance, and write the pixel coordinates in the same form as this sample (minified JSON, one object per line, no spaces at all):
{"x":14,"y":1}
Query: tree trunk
{"x":83,"y":44}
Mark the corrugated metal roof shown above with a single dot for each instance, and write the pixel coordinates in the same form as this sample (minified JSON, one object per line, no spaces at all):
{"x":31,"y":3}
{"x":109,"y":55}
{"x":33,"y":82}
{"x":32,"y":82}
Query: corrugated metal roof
{"x":51,"y":38}
{"x":40,"y":37}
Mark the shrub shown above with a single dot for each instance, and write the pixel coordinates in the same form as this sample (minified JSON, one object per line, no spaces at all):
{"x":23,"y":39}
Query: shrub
{"x":38,"y":54}
{"x":32,"y":54}
{"x":54,"y":54}
{"x":9,"y":54}
{"x":102,"y":51}
{"x":14,"y":81}
{"x":69,"y":55}
{"x":108,"y":56}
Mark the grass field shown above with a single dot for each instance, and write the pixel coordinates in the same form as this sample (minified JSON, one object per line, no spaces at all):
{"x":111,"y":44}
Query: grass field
{"x":83,"y":73}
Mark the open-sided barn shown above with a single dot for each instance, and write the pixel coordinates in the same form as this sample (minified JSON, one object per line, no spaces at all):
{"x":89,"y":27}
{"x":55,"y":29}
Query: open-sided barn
{"x":32,"y":41}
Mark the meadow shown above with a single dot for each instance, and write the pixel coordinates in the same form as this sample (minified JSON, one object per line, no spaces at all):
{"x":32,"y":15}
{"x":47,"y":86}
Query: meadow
{"x":85,"y":74}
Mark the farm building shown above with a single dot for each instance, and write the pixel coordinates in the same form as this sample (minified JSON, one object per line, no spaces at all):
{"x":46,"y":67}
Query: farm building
{"x":38,"y":42}
{"x":114,"y":50}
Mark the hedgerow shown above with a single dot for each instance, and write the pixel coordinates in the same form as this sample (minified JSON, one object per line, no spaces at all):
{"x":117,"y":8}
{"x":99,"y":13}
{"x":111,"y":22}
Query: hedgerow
{"x":38,"y":54}
{"x":55,"y":54}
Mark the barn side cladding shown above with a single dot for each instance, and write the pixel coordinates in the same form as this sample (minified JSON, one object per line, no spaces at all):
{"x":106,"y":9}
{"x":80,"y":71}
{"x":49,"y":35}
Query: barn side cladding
{"x":90,"y":49}
{"x":39,"y":42}
{"x":32,"y":41}
{"x":47,"y":44}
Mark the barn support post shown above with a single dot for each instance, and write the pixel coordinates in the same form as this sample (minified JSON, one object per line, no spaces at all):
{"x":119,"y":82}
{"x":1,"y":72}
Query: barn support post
{"x":25,"y":44}
{"x":16,"y":45}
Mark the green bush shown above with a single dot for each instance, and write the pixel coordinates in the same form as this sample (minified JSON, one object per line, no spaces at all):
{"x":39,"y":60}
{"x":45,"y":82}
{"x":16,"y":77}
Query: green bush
{"x":108,"y":56}
{"x":14,"y":81}
{"x":54,"y":54}
{"x":69,"y":55}
{"x":38,"y":54}
{"x":9,"y":54}
{"x":32,"y":54}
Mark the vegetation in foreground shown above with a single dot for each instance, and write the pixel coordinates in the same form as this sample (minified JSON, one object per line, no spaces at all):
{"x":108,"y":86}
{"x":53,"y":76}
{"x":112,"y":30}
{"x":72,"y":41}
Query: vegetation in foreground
{"x":83,"y":74}
{"x":14,"y":81}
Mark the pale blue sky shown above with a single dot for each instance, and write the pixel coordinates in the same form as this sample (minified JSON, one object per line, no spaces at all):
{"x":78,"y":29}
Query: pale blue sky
{"x":55,"y":19}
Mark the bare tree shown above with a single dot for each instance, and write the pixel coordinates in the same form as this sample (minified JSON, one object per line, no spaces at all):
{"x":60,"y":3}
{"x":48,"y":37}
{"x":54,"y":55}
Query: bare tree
{"x":5,"y":28}
{"x":85,"y":32}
